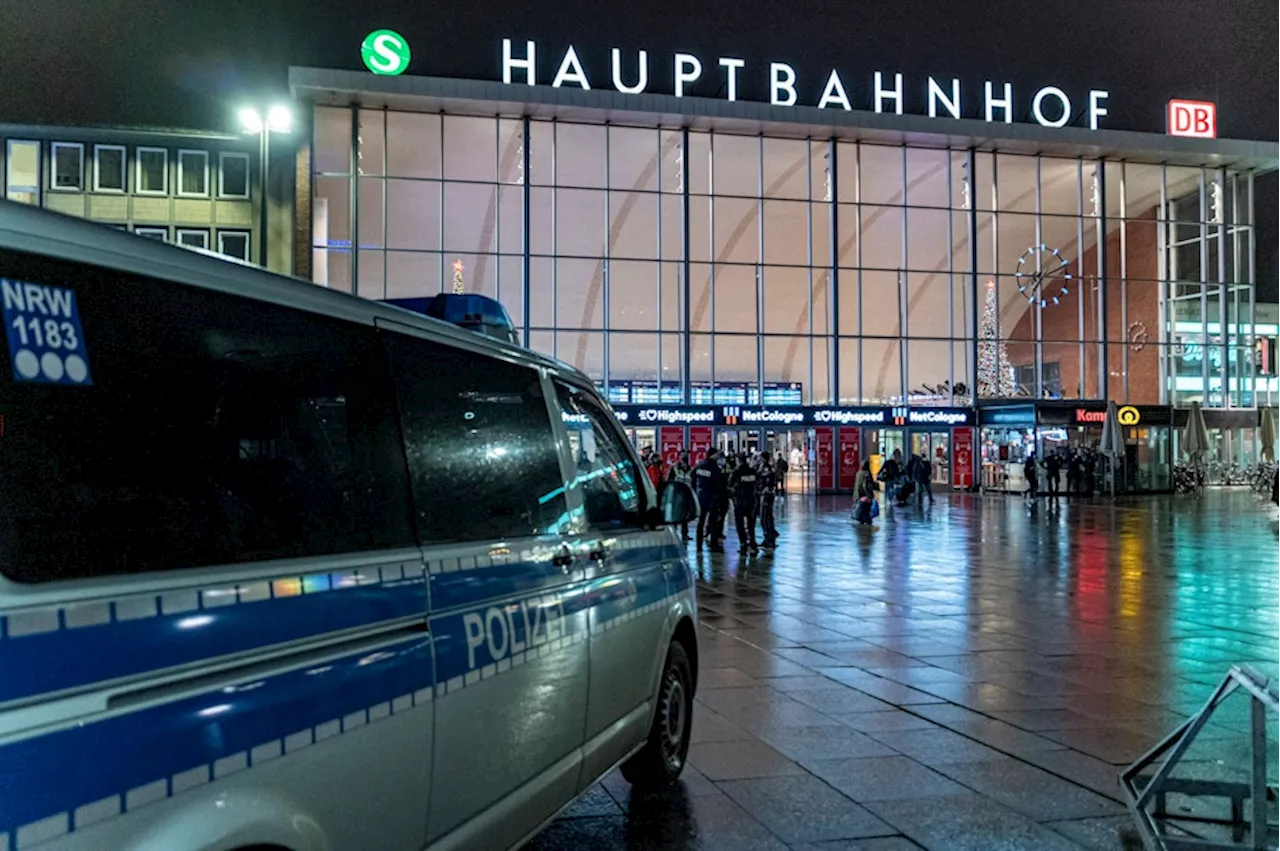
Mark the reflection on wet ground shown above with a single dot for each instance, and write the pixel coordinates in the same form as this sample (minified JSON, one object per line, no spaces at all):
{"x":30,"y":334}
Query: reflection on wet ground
{"x":970,"y":676}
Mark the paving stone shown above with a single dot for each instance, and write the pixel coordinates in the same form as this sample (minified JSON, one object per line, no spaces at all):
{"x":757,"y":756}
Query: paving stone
{"x":737,"y":760}
{"x":1036,"y":794}
{"x":968,"y":823}
{"x":804,"y":809}
{"x":884,"y":778}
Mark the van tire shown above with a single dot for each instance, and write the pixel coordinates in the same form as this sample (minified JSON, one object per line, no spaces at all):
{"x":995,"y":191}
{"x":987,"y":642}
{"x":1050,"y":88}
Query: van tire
{"x":662,"y":758}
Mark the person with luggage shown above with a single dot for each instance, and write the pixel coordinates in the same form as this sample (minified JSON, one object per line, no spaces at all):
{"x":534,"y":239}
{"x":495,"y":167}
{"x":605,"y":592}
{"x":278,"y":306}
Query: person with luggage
{"x":682,"y":472}
{"x":768,"y":490}
{"x":708,"y":484}
{"x":891,"y":472}
{"x":864,"y":495}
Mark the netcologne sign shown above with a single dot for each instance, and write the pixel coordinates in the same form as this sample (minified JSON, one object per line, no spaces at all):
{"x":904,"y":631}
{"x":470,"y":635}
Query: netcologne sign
{"x":880,"y":91}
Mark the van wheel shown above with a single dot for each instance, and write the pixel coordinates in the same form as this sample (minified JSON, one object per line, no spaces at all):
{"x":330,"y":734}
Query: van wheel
{"x":661,"y":760}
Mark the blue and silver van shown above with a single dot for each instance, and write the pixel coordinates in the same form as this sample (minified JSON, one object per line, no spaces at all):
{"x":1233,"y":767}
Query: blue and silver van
{"x":281,"y":568}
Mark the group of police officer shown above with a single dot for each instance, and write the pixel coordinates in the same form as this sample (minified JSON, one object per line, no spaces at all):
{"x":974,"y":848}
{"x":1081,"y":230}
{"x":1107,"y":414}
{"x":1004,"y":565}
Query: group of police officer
{"x":750,"y":482}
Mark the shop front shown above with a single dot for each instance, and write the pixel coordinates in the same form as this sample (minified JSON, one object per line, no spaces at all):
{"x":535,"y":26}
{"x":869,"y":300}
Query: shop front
{"x":1011,"y":432}
{"x":824,"y":446}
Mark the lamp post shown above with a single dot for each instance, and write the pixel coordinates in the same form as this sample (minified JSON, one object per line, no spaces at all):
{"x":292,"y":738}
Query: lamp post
{"x":279,"y":119}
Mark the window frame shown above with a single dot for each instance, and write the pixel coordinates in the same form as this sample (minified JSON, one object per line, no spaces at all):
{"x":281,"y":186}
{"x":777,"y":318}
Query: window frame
{"x":248,"y":246}
{"x":8,"y":166}
{"x":54,"y":148}
{"x":124,"y":169}
{"x":646,"y":499}
{"x":137,"y":158}
{"x":223,"y":156}
{"x":204,"y":232}
{"x":182,"y":193}
{"x":144,"y":230}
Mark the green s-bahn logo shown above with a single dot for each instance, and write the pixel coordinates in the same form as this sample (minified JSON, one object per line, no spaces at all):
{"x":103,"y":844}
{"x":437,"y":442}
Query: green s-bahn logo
{"x":385,"y":52}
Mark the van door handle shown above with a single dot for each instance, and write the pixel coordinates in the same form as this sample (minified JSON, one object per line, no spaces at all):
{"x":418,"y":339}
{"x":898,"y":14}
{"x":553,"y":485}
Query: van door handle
{"x":563,"y":558}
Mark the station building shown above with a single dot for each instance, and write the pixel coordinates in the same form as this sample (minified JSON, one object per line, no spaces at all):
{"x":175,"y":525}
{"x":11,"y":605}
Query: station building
{"x":835,"y":279}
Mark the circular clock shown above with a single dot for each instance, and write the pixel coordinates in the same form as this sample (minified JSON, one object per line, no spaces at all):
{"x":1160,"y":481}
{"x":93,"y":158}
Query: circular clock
{"x":1042,"y":275}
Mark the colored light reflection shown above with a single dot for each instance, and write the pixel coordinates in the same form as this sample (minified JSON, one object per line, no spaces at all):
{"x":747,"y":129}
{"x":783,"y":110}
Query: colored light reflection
{"x":315,"y":583}
{"x":286,"y":587}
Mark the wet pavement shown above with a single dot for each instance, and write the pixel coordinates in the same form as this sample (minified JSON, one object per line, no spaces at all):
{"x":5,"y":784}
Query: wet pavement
{"x":970,"y":676}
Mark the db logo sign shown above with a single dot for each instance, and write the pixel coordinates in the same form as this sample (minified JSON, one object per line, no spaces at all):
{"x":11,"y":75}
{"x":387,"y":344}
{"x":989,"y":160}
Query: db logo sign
{"x":1128,"y":416}
{"x":1195,"y":118}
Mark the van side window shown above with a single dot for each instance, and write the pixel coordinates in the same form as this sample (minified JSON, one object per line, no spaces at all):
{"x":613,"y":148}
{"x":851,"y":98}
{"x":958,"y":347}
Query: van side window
{"x":216,"y":430}
{"x":482,"y":453}
{"x":609,"y":479}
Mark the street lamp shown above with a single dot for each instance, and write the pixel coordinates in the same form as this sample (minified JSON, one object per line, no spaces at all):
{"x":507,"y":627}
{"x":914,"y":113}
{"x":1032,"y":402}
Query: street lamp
{"x":278,"y":119}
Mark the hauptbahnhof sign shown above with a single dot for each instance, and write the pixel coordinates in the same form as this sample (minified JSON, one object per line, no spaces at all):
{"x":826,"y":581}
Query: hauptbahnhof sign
{"x":880,"y":91}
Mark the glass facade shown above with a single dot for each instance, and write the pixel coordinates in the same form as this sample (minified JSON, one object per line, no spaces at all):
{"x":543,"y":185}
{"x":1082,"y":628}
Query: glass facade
{"x":680,"y":265}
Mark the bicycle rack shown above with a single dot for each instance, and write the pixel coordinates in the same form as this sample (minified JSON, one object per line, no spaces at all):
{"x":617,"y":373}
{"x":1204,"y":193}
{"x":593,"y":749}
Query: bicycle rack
{"x":1146,"y":794}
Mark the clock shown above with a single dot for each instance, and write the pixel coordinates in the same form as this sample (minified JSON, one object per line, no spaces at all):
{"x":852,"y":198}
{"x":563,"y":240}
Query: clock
{"x":1042,"y":275}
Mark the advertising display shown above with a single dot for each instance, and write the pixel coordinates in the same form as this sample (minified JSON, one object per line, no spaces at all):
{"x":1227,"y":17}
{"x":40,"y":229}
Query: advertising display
{"x":850,"y":456}
{"x":671,"y":440}
{"x":699,"y":443}
{"x":825,"y":439}
{"x":962,"y":453}
{"x":787,"y":416}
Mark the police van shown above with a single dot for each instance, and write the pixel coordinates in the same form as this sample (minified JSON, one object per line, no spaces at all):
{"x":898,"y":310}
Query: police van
{"x":281,"y":568}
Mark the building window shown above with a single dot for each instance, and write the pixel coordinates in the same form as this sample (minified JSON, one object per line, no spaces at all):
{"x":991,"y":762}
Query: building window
{"x":67,"y":161}
{"x":233,"y":169}
{"x":108,"y":173}
{"x":195,"y":238}
{"x":234,"y":243}
{"x":23,"y":164}
{"x":193,"y":173}
{"x":153,"y":171}
{"x":156,"y":233}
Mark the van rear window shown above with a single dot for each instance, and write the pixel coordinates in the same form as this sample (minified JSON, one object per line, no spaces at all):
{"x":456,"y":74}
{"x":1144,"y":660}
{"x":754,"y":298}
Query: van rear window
{"x":211,"y":430}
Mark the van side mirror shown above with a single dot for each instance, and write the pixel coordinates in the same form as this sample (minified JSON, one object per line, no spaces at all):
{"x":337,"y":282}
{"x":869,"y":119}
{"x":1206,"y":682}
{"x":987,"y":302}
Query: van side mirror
{"x":676,"y":504}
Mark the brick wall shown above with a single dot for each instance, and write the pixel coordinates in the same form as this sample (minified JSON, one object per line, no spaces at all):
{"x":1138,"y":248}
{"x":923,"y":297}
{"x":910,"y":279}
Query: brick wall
{"x":1061,"y":322}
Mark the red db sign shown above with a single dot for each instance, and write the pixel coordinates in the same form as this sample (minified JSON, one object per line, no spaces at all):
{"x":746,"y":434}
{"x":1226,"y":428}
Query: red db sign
{"x":1195,"y":118}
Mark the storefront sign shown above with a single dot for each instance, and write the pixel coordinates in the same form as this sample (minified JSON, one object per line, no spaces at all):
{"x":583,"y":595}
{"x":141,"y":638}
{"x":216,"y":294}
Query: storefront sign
{"x":1128,"y":416}
{"x":785,"y":416}
{"x":1195,"y":118}
{"x":1012,"y":415}
{"x":932,"y":416}
{"x":699,"y":443}
{"x":824,"y":437}
{"x":850,"y":456}
{"x":962,"y":456}
{"x":1049,"y":106}
{"x":1084,"y":416}
{"x":671,"y":439}
{"x":849,"y":416}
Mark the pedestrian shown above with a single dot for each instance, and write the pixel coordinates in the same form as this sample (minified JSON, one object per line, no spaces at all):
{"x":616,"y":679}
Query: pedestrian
{"x":708,"y":482}
{"x":1089,"y":463}
{"x":768,"y":490}
{"x":1052,"y":467}
{"x":864,"y":494}
{"x":728,"y":463}
{"x":1073,"y":472}
{"x":890,"y":472}
{"x":923,"y":480}
{"x":653,"y":466}
{"x":745,"y":499}
{"x":780,"y":469}
{"x":1029,"y":473}
{"x":682,"y":472}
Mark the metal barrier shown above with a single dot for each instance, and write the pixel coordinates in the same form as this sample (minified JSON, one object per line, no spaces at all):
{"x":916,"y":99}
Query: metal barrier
{"x":1146,"y":794}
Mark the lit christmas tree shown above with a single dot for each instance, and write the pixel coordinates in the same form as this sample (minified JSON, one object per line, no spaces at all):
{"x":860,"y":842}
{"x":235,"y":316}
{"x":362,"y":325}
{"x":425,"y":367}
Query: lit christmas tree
{"x":995,"y":376}
{"x":459,"y":287}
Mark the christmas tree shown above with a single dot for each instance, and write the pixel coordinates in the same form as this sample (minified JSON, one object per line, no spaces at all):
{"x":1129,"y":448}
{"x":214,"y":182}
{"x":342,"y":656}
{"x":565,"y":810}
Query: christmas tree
{"x":995,"y":376}
{"x":459,"y":287}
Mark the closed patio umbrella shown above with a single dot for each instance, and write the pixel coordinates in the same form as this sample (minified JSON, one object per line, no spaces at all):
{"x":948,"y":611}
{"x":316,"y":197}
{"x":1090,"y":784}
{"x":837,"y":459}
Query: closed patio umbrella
{"x":1267,"y":434}
{"x":1195,"y":436}
{"x":1112,"y":440}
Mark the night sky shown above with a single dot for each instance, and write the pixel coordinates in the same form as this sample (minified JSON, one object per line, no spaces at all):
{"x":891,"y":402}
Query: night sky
{"x":191,"y":64}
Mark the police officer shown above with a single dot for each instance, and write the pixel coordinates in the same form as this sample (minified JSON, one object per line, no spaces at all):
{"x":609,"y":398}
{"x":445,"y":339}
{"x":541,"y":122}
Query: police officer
{"x":708,"y":483}
{"x":744,"y":484}
{"x":768,"y":490}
